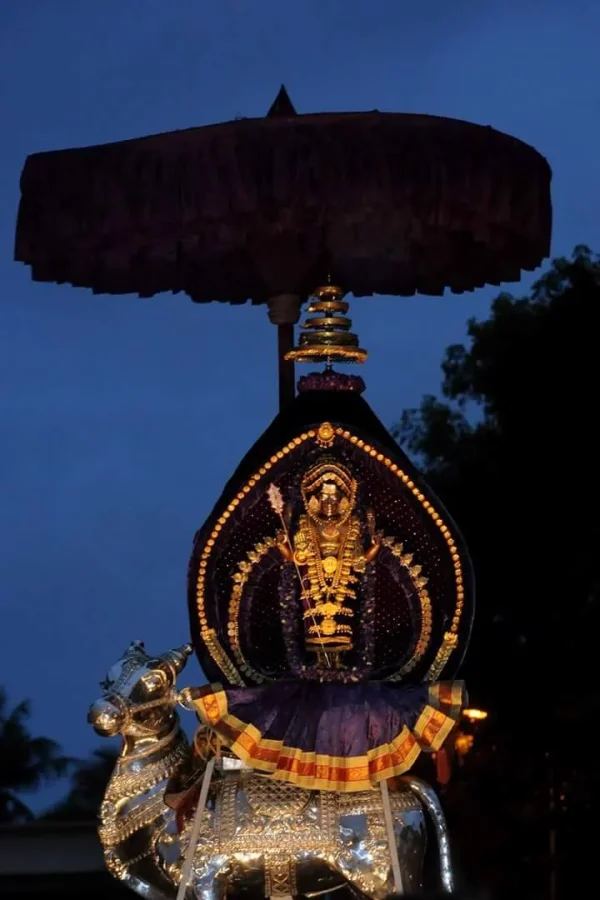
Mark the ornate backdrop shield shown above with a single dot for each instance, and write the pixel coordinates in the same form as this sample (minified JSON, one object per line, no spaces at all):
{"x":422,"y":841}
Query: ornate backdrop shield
{"x":422,"y":608}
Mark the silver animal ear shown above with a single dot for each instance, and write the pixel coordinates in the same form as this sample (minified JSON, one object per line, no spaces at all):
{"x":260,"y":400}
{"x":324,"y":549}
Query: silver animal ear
{"x":178,"y":657}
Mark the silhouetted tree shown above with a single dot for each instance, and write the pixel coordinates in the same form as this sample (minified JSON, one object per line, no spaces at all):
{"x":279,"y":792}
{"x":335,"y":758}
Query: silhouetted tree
{"x":511,"y":450}
{"x":26,"y":762}
{"x":88,"y":784}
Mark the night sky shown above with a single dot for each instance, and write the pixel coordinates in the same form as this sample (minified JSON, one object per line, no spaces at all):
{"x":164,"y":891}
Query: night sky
{"x":121,"y":418}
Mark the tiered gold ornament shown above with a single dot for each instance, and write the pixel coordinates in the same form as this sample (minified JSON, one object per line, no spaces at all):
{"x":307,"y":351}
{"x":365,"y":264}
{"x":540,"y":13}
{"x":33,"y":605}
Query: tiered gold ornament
{"x":327,"y":334}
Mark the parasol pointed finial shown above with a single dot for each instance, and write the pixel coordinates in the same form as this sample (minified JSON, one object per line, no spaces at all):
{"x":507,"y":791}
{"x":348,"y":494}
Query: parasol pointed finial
{"x":282,"y":106}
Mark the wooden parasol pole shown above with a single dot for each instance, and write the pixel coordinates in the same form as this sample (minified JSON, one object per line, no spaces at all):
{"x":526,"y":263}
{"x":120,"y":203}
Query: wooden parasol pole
{"x":284,"y":312}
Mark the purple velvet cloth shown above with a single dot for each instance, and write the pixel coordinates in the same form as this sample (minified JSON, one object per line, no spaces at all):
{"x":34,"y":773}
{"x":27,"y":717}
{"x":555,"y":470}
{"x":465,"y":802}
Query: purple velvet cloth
{"x":329,"y":718}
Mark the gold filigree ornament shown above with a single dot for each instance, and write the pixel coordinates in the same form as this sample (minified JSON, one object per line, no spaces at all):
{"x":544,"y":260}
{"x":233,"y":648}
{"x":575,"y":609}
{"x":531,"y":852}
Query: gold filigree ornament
{"x":442,"y":656}
{"x":325,"y":435}
{"x":209,"y":636}
{"x":419,"y":582}
{"x":240,"y":578}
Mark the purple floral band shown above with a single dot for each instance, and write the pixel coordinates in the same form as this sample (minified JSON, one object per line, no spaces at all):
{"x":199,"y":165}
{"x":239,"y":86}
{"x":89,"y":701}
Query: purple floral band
{"x":330,"y":381}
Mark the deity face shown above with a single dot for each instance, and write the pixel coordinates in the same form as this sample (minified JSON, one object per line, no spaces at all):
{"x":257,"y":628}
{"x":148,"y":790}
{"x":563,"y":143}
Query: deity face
{"x":328,"y":491}
{"x":329,"y":501}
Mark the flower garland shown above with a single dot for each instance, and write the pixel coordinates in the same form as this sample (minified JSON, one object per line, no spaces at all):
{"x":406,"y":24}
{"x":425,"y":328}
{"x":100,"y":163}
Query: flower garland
{"x":331,"y":381}
{"x":366,"y":639}
{"x":291,"y":618}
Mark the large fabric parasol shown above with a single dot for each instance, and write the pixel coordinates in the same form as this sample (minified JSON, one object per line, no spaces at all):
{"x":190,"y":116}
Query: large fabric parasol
{"x":266,"y":209}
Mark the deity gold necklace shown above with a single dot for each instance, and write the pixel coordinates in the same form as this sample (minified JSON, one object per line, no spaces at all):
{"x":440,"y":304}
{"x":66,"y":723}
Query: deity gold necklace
{"x":329,"y":581}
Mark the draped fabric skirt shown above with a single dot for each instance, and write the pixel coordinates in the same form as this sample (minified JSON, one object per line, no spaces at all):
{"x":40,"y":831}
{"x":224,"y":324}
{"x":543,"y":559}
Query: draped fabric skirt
{"x":331,"y":737}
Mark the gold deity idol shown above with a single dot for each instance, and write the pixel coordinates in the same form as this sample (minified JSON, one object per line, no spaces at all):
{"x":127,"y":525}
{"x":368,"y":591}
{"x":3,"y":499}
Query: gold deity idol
{"x":327,"y":549}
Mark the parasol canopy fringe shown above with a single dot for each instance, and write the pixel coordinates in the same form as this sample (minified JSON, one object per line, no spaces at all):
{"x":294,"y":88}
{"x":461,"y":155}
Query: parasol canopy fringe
{"x":385,"y":203}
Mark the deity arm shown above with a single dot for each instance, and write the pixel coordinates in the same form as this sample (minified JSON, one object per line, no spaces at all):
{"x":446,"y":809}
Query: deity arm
{"x":283,"y":545}
{"x":284,"y":538}
{"x":373,"y":550}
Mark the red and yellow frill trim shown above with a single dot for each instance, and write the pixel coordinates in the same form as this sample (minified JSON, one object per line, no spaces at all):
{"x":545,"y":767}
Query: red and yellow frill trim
{"x":315,"y":771}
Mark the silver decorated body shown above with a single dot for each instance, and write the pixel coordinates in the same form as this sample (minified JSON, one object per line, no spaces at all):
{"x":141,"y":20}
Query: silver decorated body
{"x":272,"y":839}
{"x":258,"y":837}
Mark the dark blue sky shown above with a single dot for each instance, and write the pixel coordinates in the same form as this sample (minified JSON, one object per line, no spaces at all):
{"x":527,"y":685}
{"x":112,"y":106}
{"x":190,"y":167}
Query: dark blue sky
{"x":121,"y":418}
